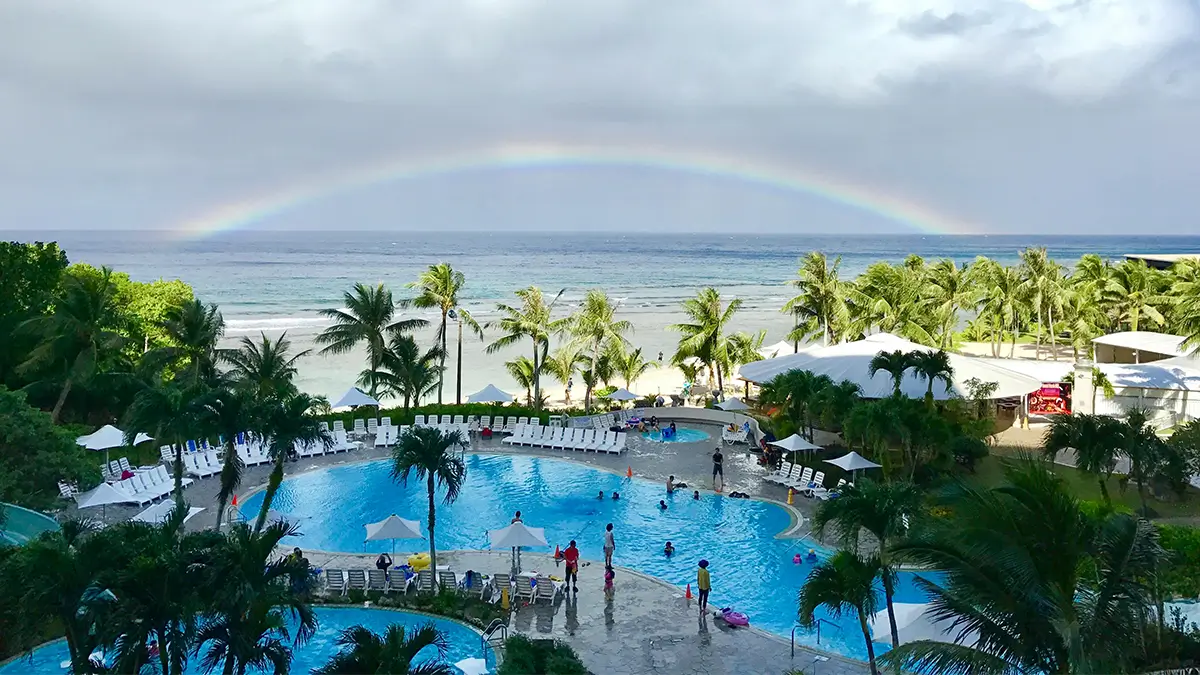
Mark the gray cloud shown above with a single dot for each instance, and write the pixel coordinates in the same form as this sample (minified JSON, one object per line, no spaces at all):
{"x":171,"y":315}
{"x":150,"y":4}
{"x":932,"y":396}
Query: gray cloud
{"x":1035,"y":115}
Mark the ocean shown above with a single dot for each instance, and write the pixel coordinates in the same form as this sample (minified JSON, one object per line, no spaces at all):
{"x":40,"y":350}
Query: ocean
{"x":277,"y":281}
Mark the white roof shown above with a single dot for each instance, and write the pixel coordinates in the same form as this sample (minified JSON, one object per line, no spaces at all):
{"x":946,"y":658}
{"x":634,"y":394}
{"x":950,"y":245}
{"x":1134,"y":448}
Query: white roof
{"x":1178,"y":374}
{"x":793,"y":443}
{"x":354,"y":397}
{"x":393,"y":527}
{"x":162,"y":510}
{"x":490,"y":394}
{"x":850,"y":361}
{"x":778,"y":349}
{"x":852,"y":461}
{"x":1144,"y":341}
{"x":517,"y":534}
{"x":107,"y":437}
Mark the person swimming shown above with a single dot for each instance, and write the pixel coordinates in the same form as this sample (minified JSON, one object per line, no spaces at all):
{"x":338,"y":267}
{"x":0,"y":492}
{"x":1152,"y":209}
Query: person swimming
{"x":668,"y":549}
{"x":601,"y":495}
{"x":696,"y":494}
{"x":616,"y":495}
{"x":662,"y":505}
{"x":670,"y":484}
{"x":812,"y":556}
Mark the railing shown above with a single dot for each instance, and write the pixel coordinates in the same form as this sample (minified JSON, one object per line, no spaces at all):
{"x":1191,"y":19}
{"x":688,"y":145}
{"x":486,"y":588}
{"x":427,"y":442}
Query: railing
{"x":798,"y":627}
{"x":494,"y":629}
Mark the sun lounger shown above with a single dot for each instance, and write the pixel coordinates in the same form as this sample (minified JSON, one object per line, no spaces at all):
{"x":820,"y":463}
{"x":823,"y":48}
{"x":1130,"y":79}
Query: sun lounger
{"x":447,"y":580}
{"x":335,"y":581}
{"x":522,"y":421}
{"x":339,"y":425}
{"x":419,"y":421}
{"x":372,"y":426}
{"x":731,"y":437}
{"x":459,"y":419}
{"x":356,"y":580}
{"x":818,"y":482}
{"x":524,"y":588}
{"x":66,"y":490}
{"x":377,"y":581}
{"x":800,"y":482}
{"x":824,"y":494}
{"x":397,"y":580}
{"x":567,"y":440}
{"x":424,"y":581}
{"x":546,"y":589}
{"x":509,"y":424}
{"x":781,"y":474}
{"x":498,"y":583}
{"x":473,"y":584}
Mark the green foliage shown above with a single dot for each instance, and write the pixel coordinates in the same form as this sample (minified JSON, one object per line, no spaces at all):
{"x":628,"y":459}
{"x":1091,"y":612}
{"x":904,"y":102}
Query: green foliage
{"x":525,"y":656}
{"x":30,"y":275}
{"x":968,"y":451}
{"x":144,"y":307}
{"x":1181,"y":575}
{"x":35,"y":455}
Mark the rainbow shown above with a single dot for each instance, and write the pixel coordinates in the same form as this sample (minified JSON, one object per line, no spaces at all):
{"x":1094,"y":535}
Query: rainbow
{"x":247,"y":211}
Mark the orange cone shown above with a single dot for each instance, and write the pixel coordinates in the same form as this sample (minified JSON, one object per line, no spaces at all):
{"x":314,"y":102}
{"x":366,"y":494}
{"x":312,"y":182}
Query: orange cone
{"x":235,"y":500}
{"x":557,"y":552}
{"x":688,"y":593}
{"x":629,"y":472}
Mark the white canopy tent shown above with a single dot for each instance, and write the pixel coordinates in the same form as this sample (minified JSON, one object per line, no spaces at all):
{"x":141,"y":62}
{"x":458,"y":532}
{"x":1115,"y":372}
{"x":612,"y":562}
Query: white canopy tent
{"x":622,"y":394}
{"x":354,"y":398}
{"x":732,"y":405}
{"x":1137,"y":346}
{"x":490,"y":394}
{"x":851,"y":361}
{"x":107,"y":437}
{"x":162,"y":510}
{"x":514,"y":537}
{"x":393,"y":527}
{"x":103,"y":495}
{"x":780,"y":348}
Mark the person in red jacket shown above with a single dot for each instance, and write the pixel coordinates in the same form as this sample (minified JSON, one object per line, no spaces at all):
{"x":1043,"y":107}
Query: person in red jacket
{"x":571,"y":560}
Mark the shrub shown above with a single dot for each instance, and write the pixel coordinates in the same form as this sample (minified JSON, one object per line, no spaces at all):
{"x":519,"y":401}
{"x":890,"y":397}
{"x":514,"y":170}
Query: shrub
{"x":523,"y":656}
{"x":968,"y":450}
{"x":35,"y":455}
{"x":1181,"y":576}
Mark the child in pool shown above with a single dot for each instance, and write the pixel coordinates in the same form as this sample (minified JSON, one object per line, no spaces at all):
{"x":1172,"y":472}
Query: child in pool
{"x":601,"y":495}
{"x":616,"y":495}
{"x":662,"y":505}
{"x":668,"y":549}
{"x":812,"y":556}
{"x":695,"y":494}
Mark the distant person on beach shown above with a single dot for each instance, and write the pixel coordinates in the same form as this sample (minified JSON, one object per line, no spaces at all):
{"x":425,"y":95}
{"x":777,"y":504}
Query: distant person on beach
{"x":610,"y":544}
{"x":570,"y":386}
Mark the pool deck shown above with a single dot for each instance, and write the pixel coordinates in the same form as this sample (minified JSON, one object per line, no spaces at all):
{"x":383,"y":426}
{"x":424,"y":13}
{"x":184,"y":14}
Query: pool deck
{"x":643,"y":627}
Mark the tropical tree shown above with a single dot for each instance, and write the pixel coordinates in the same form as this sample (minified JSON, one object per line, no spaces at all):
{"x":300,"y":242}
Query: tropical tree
{"x":406,"y":372}
{"x":288,"y":422}
{"x":264,"y":369}
{"x":428,"y":453}
{"x":742,"y":348}
{"x":78,"y":337}
{"x":931,"y":366}
{"x":1041,"y":286}
{"x":563,"y":363}
{"x":798,"y":392}
{"x":1134,"y":291}
{"x":369,"y":317}
{"x":895,"y":363}
{"x":819,"y":306}
{"x":1045,"y":588}
{"x":1094,"y":440}
{"x":703,"y":337}
{"x":1185,"y":309}
{"x":948,"y":290}
{"x":845,"y":585}
{"x":365,"y":652}
{"x":833,"y":403}
{"x":169,"y":412}
{"x":888,"y":298}
{"x":227,"y":413}
{"x":193,"y":331}
{"x":594,"y":327}
{"x":439,"y":288}
{"x":999,"y":301}
{"x":1145,"y":450}
{"x":630,"y":365}
{"x":533,"y":320}
{"x":882,"y":510}
{"x":521,"y":370}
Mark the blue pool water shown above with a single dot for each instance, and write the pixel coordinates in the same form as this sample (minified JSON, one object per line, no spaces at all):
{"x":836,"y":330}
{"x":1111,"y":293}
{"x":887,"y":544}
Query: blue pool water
{"x":464,"y":642}
{"x":751,"y":568}
{"x":682,"y":435}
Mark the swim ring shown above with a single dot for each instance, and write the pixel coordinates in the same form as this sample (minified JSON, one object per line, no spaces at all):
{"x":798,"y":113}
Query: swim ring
{"x":734,"y":618}
{"x":418,"y":561}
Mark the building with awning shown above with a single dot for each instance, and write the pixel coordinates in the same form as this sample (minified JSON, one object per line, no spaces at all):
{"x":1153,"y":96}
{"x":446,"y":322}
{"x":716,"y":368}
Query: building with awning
{"x":1138,"y":346}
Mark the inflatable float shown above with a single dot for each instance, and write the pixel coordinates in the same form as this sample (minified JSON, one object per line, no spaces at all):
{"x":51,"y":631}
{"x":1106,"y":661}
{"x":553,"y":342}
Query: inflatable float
{"x":418,"y":561}
{"x":732,"y":618}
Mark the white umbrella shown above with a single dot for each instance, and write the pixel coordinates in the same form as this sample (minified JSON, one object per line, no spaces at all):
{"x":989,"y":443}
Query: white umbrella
{"x":914,"y":623}
{"x":490,"y":394}
{"x":622,"y":394}
{"x":393,"y":527}
{"x":472,"y":666}
{"x":354,"y":397}
{"x":107,"y":437}
{"x":794,"y":443}
{"x":102,"y":496}
{"x":733,"y":404}
{"x":515,"y":536}
{"x":161,"y":511}
{"x":853,"y":462}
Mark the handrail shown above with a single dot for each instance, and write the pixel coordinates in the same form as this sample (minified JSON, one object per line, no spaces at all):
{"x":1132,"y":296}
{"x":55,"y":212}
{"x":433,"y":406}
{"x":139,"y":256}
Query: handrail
{"x":819,"y":622}
{"x":494,"y":628}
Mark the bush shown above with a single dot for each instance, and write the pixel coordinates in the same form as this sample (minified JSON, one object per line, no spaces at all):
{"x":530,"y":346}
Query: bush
{"x":523,"y":656}
{"x":1181,"y":576}
{"x":35,"y":455}
{"x":968,"y":450}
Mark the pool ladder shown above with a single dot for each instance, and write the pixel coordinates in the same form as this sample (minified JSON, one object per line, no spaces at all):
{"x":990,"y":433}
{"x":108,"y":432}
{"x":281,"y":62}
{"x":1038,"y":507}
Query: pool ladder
{"x":798,"y":627}
{"x":495,"y":634}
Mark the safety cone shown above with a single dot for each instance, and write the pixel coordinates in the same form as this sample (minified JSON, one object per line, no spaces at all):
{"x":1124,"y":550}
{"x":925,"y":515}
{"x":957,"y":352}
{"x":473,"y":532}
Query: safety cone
{"x":235,"y":500}
{"x":629,"y":472}
{"x":791,"y":495}
{"x":504,"y":598}
{"x":687,"y":594}
{"x":557,"y":552}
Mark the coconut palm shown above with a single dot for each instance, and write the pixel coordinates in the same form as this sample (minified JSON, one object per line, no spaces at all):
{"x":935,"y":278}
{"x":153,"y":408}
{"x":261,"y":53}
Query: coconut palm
{"x":521,"y":370}
{"x":1095,"y":441}
{"x":428,"y":453}
{"x":895,"y":363}
{"x":1185,"y":309}
{"x":369,"y":318}
{"x":365,"y":652}
{"x":533,"y":320}
{"x":820,"y":304}
{"x":888,"y":298}
{"x":438,"y":288}
{"x":286,"y":423}
{"x":405,"y":371}
{"x":742,"y":348}
{"x":703,"y":338}
{"x":931,"y":366}
{"x":629,"y":364}
{"x":78,"y":337}
{"x":999,"y":301}
{"x":563,"y":363}
{"x":594,"y":327}
{"x":193,"y":330}
{"x":834,"y":402}
{"x":883,"y":511}
{"x":1136,"y":292}
{"x":170,"y":412}
{"x":948,"y":291}
{"x":1044,"y":587}
{"x":264,"y":369}
{"x":1146,"y":451}
{"x":226,"y":413}
{"x":844,"y":585}
{"x":798,"y":392}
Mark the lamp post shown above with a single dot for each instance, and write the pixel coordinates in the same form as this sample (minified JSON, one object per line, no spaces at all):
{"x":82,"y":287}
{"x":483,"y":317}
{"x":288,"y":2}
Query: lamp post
{"x":458,"y":383}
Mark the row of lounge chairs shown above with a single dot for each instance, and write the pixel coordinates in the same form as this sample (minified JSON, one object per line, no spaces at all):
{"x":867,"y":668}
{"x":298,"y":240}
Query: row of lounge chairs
{"x":561,"y":438}
{"x":805,"y":481}
{"x":143,"y":487}
{"x":522,"y":587}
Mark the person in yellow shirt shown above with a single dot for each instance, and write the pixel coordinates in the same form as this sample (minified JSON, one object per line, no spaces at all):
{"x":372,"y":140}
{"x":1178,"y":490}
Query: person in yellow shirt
{"x":703,"y":585}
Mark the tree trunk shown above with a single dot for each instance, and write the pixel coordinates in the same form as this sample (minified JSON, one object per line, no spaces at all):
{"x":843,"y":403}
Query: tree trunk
{"x":229,"y":662}
{"x":720,"y":380}
{"x":432,"y":545}
{"x":179,"y":474}
{"x":163,"y":657}
{"x":1037,"y":349}
{"x":226,"y":467}
{"x":458,"y":383}
{"x":1053,"y":342}
{"x":587,"y":394}
{"x":62,"y":399}
{"x":272,"y":487}
{"x":862,"y":623}
{"x":1013,"y":349}
{"x":442,"y":359}
{"x":889,"y":592}
{"x":537,"y":383}
{"x":1104,"y":490}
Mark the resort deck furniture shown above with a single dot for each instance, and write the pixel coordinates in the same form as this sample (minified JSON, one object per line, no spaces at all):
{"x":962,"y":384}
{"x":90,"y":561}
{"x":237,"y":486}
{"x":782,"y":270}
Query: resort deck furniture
{"x":802,"y":482}
{"x":499,"y":582}
{"x":459,"y":419}
{"x":824,"y":494}
{"x":419,"y":421}
{"x":524,"y":588}
{"x":397,"y":580}
{"x":325,"y":426}
{"x":66,"y":490}
{"x":473,"y":423}
{"x":522,"y":421}
{"x":565,"y":440}
{"x":731,"y":437}
{"x":377,"y":581}
{"x":509,"y":424}
{"x":447,"y":580}
{"x":473,"y":584}
{"x":546,"y":589}
{"x":372,"y":426}
{"x":818,"y":482}
{"x":167,"y":453}
{"x":356,"y":580}
{"x":335,"y":580}
{"x":385,"y":421}
{"x":424,"y":581}
{"x":385,"y":436}
{"x":339,"y":425}
{"x":360,"y":427}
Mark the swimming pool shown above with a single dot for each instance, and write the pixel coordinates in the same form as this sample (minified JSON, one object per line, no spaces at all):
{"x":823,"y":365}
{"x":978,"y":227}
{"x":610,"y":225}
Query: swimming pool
{"x":682,"y":435}
{"x":464,"y":642}
{"x":752,"y":570}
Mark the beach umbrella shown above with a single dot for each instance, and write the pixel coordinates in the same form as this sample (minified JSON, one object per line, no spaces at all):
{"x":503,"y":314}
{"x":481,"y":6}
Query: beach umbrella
{"x":732,"y":404}
{"x":853,"y":462}
{"x":102,"y":496}
{"x":622,"y":394}
{"x":161,"y":511}
{"x":490,"y":394}
{"x":107,"y":437}
{"x":393,"y":527}
{"x":515,"y":536}
{"x":353,"y":398}
{"x":472,"y":666}
{"x":914,"y":622}
{"x":794,"y":443}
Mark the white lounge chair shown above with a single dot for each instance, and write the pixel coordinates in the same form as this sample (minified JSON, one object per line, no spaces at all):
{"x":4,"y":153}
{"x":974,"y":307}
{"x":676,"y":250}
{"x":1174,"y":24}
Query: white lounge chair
{"x":818,"y":482}
{"x":473,"y":585}
{"x":546,"y":589}
{"x":356,"y":580}
{"x":360,"y":427}
{"x":339,"y":425}
{"x":335,"y":581}
{"x":459,"y":419}
{"x":419,"y":421}
{"x":372,"y":426}
{"x":377,"y":581}
{"x":801,"y":481}
{"x":424,"y":581}
{"x":524,"y":588}
{"x":447,"y":580}
{"x":499,"y":583}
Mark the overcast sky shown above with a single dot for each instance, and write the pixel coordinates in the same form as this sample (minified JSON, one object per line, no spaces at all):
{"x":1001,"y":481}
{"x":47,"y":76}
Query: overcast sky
{"x":1056,"y":116}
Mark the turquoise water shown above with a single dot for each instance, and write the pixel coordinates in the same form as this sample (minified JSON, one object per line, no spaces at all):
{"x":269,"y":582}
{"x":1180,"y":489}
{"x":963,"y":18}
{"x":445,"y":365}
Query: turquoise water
{"x":682,"y":435}
{"x":464,"y":642}
{"x":21,"y":524}
{"x":751,"y":569}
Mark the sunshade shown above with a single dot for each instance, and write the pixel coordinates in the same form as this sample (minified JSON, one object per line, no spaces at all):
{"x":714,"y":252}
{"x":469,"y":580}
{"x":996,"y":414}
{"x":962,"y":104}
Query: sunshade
{"x":852,"y":461}
{"x":161,"y":511}
{"x":103,"y":495}
{"x":393,"y":527}
{"x":732,"y":405}
{"x":622,"y":394}
{"x":472,"y":666}
{"x":107,"y":437}
{"x":913,"y":622}
{"x":794,"y":443}
{"x":517,"y":534}
{"x":354,"y":397}
{"x":490,"y":394}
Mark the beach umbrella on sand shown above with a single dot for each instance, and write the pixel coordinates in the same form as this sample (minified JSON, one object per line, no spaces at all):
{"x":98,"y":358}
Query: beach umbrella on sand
{"x":102,"y":496}
{"x":107,"y":437}
{"x":515,"y":536}
{"x":393,"y":527}
{"x":852,"y":462}
{"x":353,"y":398}
{"x":490,"y":394}
{"x":732,"y":404}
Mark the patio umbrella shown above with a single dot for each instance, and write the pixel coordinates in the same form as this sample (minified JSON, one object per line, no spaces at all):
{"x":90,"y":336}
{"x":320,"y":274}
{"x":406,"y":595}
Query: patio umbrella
{"x":794,"y":443}
{"x":102,"y":496}
{"x":353,"y":398}
{"x":107,"y":437}
{"x":732,"y":404}
{"x":472,"y":666}
{"x":161,"y":511}
{"x":913,"y":622}
{"x":490,"y":394}
{"x":393,"y":527}
{"x":515,"y":536}
{"x":853,"y":462}
{"x":622,"y":394}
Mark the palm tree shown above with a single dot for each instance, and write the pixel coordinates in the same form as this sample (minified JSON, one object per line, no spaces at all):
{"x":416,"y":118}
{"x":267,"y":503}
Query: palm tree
{"x":264,"y":369}
{"x":704,"y":337}
{"x":947,"y":292}
{"x":439,"y":288}
{"x":882,"y":510}
{"x":563,"y":363}
{"x":393,"y":653}
{"x":1041,"y":283}
{"x":521,"y":371}
{"x":534,"y":320}
{"x":428,"y":453}
{"x":798,"y":392}
{"x":227,"y":413}
{"x":286,"y":423}
{"x":1095,"y":441}
{"x":594,"y":327}
{"x":78,"y":337}
{"x":629,"y":364}
{"x":1046,"y":588}
{"x":932,"y":366}
{"x":820,"y":304}
{"x":406,"y":371}
{"x":171,"y":413}
{"x":369,"y":318}
{"x":1185,"y":312}
{"x":257,"y":599}
{"x":741,"y":348}
{"x":895,"y":363}
{"x":833,"y":403}
{"x":1138,"y":441}
{"x":1134,"y":291}
{"x":844,"y":584}
{"x":194,"y":330}
{"x":888,"y":298}
{"x":999,"y":302}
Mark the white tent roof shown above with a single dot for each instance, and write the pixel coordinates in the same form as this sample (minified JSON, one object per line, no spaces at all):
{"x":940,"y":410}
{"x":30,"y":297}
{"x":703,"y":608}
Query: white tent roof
{"x":517,"y":534}
{"x":162,"y":510}
{"x":1144,"y":341}
{"x":490,"y":394}
{"x":103,"y":495}
{"x":354,"y":397}
{"x":732,"y":404}
{"x":622,"y":394}
{"x":1179,"y":374}
{"x":393,"y":527}
{"x":107,"y":437}
{"x":793,"y":443}
{"x":850,"y":361}
{"x":852,"y":461}
{"x":912,"y":623}
{"x":780,"y":348}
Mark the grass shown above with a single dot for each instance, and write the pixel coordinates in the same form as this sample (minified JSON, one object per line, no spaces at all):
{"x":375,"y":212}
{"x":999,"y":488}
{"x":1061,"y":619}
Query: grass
{"x":989,"y":472}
